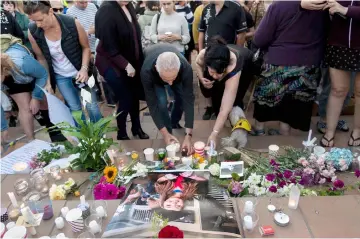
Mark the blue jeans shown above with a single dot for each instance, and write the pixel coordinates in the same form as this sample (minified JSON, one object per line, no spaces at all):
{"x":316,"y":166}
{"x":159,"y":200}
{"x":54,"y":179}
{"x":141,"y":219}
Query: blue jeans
{"x":177,"y":110}
{"x":4,"y":123}
{"x":323,"y":97}
{"x":72,"y":98}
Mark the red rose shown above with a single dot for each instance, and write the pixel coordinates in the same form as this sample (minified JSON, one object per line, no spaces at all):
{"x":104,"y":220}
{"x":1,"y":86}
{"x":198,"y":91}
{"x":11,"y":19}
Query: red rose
{"x":171,"y":232}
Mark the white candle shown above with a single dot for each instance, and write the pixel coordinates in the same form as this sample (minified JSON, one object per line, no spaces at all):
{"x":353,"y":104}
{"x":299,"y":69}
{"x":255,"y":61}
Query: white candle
{"x":292,"y":204}
{"x":248,"y":223}
{"x":32,"y":231}
{"x":249,"y":207}
{"x":64,"y":211}
{"x":59,"y":222}
{"x":10,"y":225}
{"x":100,"y":211}
{"x":13,"y":199}
{"x":94,"y":227}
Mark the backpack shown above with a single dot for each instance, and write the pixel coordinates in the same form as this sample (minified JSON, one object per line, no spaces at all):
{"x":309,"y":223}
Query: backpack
{"x":145,"y":37}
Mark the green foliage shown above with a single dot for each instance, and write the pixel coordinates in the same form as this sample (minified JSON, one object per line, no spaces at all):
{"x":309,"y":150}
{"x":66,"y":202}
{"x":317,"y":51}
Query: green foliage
{"x":157,"y":223}
{"x":232,"y":157}
{"x":92,"y":145}
{"x":48,"y":155}
{"x":235,"y":177}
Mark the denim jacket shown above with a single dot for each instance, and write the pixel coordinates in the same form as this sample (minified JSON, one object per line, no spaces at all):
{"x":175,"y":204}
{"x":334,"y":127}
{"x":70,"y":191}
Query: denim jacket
{"x":30,"y":69}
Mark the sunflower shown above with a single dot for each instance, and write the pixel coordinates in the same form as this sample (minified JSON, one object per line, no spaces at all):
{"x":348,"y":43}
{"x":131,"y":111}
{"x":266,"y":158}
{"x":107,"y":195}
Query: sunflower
{"x":110,"y":173}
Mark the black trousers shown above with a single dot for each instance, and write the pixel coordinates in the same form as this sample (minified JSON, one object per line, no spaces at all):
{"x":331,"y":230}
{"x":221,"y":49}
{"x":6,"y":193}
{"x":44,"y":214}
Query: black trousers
{"x":126,"y":95}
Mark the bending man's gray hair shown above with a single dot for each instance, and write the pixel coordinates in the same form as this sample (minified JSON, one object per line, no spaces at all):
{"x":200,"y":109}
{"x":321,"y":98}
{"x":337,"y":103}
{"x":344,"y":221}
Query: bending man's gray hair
{"x":167,"y":61}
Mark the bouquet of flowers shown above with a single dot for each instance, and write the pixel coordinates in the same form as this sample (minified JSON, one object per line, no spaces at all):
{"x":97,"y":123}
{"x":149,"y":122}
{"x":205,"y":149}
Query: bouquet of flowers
{"x":340,"y":158}
{"x":60,"y":192}
{"x":43,"y":158}
{"x":109,"y":187}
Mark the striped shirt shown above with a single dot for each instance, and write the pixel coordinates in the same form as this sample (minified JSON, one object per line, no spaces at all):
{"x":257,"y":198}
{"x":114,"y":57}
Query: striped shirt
{"x":186,"y":12}
{"x":86,"y":18}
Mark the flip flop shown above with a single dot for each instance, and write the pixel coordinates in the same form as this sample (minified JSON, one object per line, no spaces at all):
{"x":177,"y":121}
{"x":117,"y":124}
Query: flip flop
{"x":327,"y":140}
{"x":354,"y":140}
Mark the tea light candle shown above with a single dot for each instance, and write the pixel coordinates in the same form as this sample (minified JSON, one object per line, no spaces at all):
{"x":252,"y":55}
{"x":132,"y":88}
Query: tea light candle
{"x":94,"y":227}
{"x":273,"y":150}
{"x":292,"y":204}
{"x":249,"y":207}
{"x":281,"y":219}
{"x":21,"y":168}
{"x":64,"y":211}
{"x":248,"y":223}
{"x":100,"y":211}
{"x":271,"y":208}
{"x":59,"y":222}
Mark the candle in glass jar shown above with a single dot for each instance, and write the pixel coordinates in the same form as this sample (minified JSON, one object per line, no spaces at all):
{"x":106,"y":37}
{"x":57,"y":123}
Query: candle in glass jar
{"x":292,"y":204}
{"x":100,"y":211}
{"x":248,"y":222}
{"x":64,"y":211}
{"x":94,"y":227}
{"x":249,"y":207}
{"x":55,"y":172}
{"x":59,"y":222}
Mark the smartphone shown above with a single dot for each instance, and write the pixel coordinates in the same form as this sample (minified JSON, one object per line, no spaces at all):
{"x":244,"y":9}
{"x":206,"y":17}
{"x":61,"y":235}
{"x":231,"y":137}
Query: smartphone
{"x":78,"y":85}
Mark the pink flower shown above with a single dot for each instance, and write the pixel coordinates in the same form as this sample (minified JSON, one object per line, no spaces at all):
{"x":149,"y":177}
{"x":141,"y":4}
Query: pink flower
{"x":320,"y":161}
{"x":300,"y":160}
{"x":111,"y":192}
{"x":333,"y":178}
{"x":326,"y":173}
{"x":309,"y":171}
{"x":122,"y":191}
{"x":322,"y":181}
{"x":273,"y":189}
{"x":305,"y":163}
{"x":288,"y":174}
{"x":282,"y":184}
{"x":342,"y":162}
{"x":99,"y":191}
{"x":279,"y":175}
{"x":357,"y":173}
{"x":270,"y":177}
{"x":344,"y":167}
{"x":338,"y":183}
{"x":312,"y":158}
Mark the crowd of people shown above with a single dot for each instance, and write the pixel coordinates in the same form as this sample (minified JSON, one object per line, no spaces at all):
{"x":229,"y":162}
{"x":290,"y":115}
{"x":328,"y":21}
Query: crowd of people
{"x":142,"y":51}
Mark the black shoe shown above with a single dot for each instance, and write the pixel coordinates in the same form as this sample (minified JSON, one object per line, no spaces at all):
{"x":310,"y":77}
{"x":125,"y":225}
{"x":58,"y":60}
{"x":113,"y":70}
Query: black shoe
{"x":141,"y":134}
{"x":125,"y":137}
{"x":208,"y":113}
{"x":57,"y":136}
{"x":12,"y":121}
{"x":176,"y":126}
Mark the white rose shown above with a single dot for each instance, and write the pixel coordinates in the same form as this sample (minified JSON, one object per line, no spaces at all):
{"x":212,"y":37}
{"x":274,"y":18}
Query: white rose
{"x":102,"y":141}
{"x":215,"y":169}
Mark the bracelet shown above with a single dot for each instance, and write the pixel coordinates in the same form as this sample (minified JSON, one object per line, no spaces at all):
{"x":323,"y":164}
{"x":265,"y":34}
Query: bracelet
{"x":188,"y":134}
{"x":85,"y":67}
{"x":215,"y":131}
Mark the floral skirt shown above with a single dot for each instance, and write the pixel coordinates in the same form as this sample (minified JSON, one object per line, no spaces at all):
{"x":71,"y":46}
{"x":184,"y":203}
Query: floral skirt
{"x":286,"y":94}
{"x":342,"y":58}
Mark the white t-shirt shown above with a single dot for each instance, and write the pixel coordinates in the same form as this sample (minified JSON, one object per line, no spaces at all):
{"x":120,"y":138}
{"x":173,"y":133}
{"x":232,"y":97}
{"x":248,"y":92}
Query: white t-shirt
{"x":61,"y":64}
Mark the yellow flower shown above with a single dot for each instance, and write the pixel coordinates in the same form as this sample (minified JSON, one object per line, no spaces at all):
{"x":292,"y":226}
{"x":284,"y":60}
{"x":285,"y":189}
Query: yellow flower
{"x":134,"y":156}
{"x":110,"y":173}
{"x":77,"y":194}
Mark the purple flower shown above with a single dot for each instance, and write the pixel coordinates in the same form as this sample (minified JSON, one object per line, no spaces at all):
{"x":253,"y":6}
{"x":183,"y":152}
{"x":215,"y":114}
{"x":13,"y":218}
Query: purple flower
{"x":293,"y":180}
{"x":282,"y":184}
{"x":273,"y":162}
{"x":235,"y":187}
{"x":288,"y":174}
{"x":338,"y":183}
{"x":273,"y":189}
{"x":357,"y":173}
{"x":270,"y":177}
{"x":122,"y":191}
{"x":99,"y":191}
{"x":111,"y":191}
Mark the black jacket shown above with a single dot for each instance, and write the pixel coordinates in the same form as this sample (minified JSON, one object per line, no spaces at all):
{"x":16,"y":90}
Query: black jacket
{"x":10,"y":26}
{"x":70,"y":43}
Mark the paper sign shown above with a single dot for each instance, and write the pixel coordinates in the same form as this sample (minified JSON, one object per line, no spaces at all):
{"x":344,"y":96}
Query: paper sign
{"x":23,"y":154}
{"x":91,"y":82}
{"x":58,"y":111}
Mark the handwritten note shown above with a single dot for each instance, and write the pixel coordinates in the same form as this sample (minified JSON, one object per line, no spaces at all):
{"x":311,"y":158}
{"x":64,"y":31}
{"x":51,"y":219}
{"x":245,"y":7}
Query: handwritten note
{"x":23,"y":154}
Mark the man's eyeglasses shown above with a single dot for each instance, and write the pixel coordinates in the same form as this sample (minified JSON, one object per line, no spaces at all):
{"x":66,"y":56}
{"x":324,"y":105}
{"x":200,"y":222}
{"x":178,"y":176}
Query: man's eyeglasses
{"x":58,"y":10}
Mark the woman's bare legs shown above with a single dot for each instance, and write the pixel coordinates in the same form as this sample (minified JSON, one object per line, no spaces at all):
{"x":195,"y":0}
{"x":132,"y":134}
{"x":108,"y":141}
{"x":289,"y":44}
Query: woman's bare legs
{"x":356,"y":130}
{"x":25,"y":116}
{"x":284,"y":129}
{"x":340,"y":84}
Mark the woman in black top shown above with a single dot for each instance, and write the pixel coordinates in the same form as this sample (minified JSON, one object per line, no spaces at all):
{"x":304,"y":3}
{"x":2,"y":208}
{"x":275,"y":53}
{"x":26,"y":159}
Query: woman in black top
{"x":219,"y":67}
{"x":119,"y":59}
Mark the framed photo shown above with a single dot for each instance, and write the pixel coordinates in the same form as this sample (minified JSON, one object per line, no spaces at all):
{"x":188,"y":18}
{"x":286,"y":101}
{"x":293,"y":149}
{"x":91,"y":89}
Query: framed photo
{"x":227,"y":168}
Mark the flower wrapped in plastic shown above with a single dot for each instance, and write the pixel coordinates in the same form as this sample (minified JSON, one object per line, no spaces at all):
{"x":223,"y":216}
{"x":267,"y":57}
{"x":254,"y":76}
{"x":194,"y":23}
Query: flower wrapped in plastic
{"x":340,"y":158}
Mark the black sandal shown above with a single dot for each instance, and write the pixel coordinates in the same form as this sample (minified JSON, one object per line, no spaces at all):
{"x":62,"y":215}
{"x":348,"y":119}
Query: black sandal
{"x":327,"y":140}
{"x":354,"y":140}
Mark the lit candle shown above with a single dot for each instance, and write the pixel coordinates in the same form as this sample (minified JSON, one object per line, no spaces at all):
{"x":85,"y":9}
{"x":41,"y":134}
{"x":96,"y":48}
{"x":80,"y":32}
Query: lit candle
{"x":21,"y":168}
{"x":59,"y":222}
{"x":100,"y":211}
{"x":294,"y":197}
{"x":248,"y":222}
{"x":94,"y":227}
{"x":249,"y":207}
{"x":64,"y":211}
{"x":32,"y":231}
{"x":292,"y":204}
